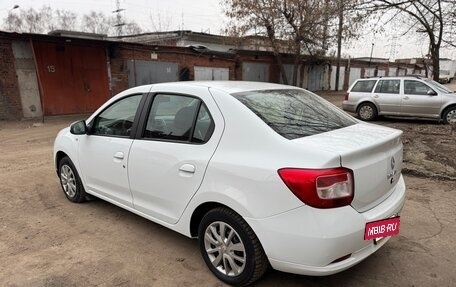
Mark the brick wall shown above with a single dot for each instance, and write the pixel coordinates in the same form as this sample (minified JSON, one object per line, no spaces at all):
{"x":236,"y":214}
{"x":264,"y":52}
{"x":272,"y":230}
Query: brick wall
{"x":10,"y":102}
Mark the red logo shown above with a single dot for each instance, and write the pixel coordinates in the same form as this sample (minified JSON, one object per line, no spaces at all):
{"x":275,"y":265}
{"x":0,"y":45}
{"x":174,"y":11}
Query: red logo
{"x":382,"y":228}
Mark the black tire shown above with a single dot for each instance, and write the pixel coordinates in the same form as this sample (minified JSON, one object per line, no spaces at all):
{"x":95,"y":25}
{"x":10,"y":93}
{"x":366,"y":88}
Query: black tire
{"x":73,"y":181}
{"x":367,"y":112}
{"x":255,"y":263}
{"x":448,"y":114}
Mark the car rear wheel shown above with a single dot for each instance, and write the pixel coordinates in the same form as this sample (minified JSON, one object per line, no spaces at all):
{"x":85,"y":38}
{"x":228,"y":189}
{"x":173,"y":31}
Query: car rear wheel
{"x":70,"y":181}
{"x":367,"y":111}
{"x":230,"y":248}
{"x":449,"y":116}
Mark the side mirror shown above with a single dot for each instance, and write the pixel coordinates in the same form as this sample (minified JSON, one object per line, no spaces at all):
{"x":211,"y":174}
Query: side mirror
{"x":431,"y":92}
{"x":78,"y":128}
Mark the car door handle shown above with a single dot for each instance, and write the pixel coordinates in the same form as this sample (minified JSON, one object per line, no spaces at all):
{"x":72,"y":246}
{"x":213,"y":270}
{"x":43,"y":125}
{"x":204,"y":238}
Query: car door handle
{"x":119,"y":155}
{"x":188,"y":168}
{"x":406,"y":98}
{"x":376,"y":96}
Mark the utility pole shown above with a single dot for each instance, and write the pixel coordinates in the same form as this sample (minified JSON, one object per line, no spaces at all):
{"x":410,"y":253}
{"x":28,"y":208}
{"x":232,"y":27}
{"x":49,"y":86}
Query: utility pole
{"x":119,"y":24}
{"x":370,"y":58}
{"x":339,"y":42}
{"x":324,"y":45}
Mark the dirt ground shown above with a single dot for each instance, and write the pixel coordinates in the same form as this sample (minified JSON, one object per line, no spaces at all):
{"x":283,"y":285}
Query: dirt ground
{"x":47,"y":241}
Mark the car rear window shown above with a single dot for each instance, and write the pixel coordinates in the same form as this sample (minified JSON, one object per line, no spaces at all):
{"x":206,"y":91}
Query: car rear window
{"x":295,"y":113}
{"x":363,"y":86}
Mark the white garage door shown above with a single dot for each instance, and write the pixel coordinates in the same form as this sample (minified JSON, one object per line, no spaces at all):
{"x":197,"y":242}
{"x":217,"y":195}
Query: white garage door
{"x":211,"y":74}
{"x":355,"y":74}
{"x":392,"y":72}
{"x":369,"y":72}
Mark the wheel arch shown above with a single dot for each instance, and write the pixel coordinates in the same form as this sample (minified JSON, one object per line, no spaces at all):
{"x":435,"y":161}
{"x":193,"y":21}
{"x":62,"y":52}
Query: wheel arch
{"x":199,"y":213}
{"x":367,"y":102}
{"x":445,"y":109}
{"x":58,"y":157}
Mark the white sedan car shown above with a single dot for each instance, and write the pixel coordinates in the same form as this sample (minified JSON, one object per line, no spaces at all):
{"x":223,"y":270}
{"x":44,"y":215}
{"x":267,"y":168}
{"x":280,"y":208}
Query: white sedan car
{"x":262,"y":174}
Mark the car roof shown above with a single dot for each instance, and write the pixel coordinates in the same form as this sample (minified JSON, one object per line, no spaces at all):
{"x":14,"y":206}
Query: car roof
{"x":229,"y":87}
{"x":393,"y":77}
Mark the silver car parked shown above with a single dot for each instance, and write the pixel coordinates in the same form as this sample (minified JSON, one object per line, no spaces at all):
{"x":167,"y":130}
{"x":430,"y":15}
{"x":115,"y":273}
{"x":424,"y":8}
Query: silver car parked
{"x":400,"y":96}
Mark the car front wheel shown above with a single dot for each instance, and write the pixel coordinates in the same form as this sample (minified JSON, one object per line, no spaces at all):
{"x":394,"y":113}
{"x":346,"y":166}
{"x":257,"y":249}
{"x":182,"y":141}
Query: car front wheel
{"x":70,"y":181}
{"x":449,"y":116}
{"x":367,"y":112}
{"x":230,"y":248}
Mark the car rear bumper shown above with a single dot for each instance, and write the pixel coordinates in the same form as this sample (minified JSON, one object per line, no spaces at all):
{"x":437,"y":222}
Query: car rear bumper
{"x":307,"y":241}
{"x":348,"y":107}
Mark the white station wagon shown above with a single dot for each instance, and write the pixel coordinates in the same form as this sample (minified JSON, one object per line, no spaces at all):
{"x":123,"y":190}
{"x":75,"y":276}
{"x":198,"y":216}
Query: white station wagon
{"x":262,"y":174}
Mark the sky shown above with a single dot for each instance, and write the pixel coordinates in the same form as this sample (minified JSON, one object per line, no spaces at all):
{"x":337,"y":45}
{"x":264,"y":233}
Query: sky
{"x":207,"y":16}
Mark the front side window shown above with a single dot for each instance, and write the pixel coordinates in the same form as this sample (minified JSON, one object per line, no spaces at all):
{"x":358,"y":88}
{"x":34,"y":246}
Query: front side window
{"x":388,"y":86}
{"x":295,"y":113}
{"x":178,"y":118}
{"x":416,"y":88}
{"x":117,"y":119}
{"x":363,"y":86}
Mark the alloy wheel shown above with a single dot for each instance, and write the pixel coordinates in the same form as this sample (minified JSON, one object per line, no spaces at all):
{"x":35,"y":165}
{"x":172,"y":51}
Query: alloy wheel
{"x":225,"y":249}
{"x":68,"y":180}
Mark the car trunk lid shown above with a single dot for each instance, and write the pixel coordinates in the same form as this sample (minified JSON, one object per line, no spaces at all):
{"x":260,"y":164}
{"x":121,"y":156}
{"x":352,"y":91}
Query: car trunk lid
{"x":374,"y":153}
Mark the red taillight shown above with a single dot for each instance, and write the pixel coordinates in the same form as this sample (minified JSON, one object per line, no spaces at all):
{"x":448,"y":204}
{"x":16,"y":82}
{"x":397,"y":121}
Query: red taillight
{"x":320,"y":188}
{"x":346,"y":96}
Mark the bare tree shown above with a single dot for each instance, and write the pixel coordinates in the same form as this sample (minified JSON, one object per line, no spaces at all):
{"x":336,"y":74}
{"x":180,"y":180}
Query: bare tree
{"x":40,"y":21}
{"x":292,"y":26}
{"x":32,"y":21}
{"x":66,"y":20}
{"x":303,"y":27}
{"x":98,"y":23}
{"x":131,"y":28}
{"x":261,"y":18}
{"x":13,"y":23}
{"x":349,"y":22}
{"x":46,"y":19}
{"x":307,"y":23}
{"x":161,"y":21}
{"x":434,"y":18}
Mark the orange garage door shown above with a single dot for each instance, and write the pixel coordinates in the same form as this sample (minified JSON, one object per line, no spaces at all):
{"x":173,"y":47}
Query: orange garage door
{"x":74,"y":79}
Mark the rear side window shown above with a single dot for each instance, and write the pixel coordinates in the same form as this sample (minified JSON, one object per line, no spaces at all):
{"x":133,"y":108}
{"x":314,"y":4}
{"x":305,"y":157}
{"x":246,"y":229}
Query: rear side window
{"x":388,"y":86}
{"x":295,"y":113}
{"x":179,"y":118}
{"x":204,"y":126}
{"x":363,"y":86}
